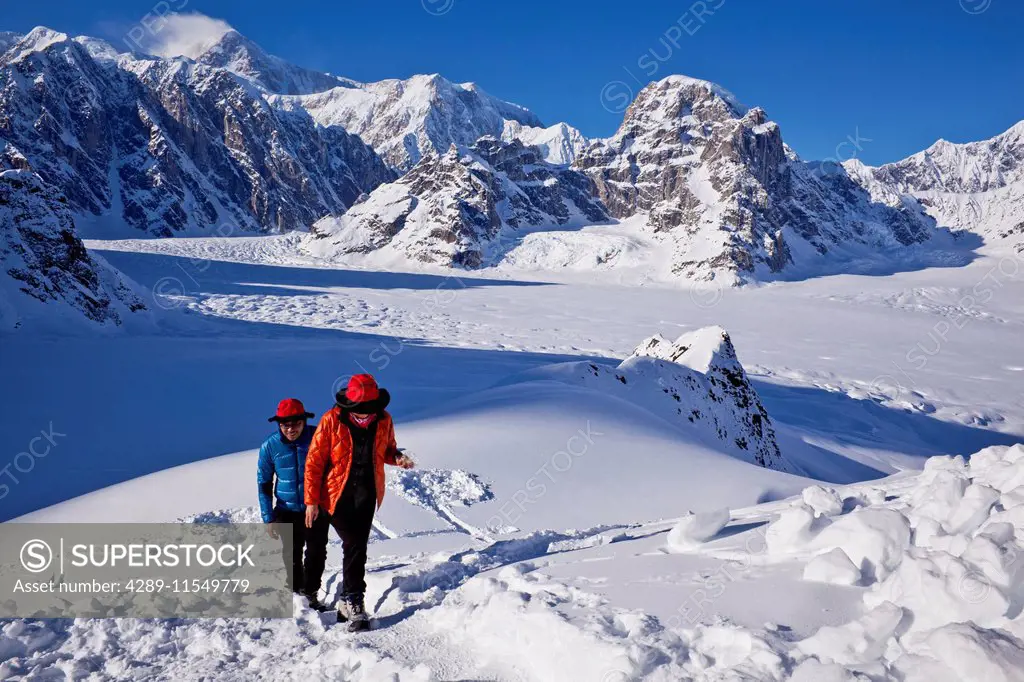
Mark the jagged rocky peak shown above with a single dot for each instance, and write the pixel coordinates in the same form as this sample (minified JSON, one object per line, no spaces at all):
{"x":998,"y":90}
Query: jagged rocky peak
{"x":701,"y":373}
{"x":678,"y":97}
{"x":47,"y":272}
{"x":452,"y":209}
{"x":717,"y":183}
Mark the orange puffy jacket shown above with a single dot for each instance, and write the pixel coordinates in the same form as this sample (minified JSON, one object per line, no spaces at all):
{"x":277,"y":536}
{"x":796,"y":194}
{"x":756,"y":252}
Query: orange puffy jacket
{"x":330,"y":458}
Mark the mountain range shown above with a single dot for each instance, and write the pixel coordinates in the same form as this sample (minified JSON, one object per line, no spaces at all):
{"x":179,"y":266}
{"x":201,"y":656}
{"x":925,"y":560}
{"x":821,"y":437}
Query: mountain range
{"x":237,"y":141}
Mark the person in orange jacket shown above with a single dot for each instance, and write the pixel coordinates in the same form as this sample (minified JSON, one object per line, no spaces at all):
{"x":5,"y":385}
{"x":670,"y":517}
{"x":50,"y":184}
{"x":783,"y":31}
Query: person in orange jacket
{"x":344,"y":478}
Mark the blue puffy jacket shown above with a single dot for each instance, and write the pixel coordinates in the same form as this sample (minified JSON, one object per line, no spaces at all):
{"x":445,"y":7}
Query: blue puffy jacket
{"x":282,"y":469}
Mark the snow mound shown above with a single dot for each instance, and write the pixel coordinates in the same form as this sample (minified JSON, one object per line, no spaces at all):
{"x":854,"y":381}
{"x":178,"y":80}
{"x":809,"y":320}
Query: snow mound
{"x":696,"y":383}
{"x":832,"y":567}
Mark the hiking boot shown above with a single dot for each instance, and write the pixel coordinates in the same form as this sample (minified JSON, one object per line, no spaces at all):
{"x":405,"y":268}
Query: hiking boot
{"x":315,"y":603}
{"x":351,"y":609}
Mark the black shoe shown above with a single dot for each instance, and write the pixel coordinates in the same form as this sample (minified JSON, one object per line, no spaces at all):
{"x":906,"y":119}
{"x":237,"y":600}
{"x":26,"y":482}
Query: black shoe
{"x":315,"y":603}
{"x":351,"y":609}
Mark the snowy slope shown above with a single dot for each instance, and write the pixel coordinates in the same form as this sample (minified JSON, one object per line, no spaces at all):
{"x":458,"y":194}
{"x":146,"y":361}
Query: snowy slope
{"x":48,"y":277}
{"x":913,"y":578}
{"x":461,"y":208}
{"x":976,"y":187}
{"x":592,"y":585}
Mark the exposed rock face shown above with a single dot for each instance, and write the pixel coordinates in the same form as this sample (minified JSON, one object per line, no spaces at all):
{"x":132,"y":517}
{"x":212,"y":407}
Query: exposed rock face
{"x":46,"y":266}
{"x":717,"y":181}
{"x":171,"y":146}
{"x":715,"y":394}
{"x":405,"y":120}
{"x":457,"y":209}
{"x":978,"y":186}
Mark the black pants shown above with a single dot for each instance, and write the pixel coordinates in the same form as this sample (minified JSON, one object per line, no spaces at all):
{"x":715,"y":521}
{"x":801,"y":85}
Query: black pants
{"x":353,"y":520}
{"x":305,"y":576}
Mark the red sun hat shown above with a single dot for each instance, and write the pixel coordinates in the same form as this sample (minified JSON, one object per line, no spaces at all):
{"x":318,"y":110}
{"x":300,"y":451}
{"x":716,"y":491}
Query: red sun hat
{"x":362,"y":395}
{"x":361,"y":388}
{"x":290,"y":408}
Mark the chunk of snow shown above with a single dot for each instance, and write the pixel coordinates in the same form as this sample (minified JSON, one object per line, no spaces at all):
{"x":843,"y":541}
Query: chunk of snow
{"x":972,"y":510}
{"x":694,"y":529}
{"x":824,"y":501}
{"x":813,"y":670}
{"x":974,"y":653}
{"x":791,"y":531}
{"x":832,"y":567}
{"x":858,"y":642}
{"x":940,"y":588}
{"x":874,"y":539}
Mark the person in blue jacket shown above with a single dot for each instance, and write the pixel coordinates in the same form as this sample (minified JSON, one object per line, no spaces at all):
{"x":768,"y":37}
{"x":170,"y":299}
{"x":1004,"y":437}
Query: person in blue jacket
{"x":281,"y":473}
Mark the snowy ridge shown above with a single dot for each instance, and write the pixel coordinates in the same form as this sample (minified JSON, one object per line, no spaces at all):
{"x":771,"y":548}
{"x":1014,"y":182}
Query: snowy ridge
{"x":976,"y":187}
{"x":460,"y":208}
{"x":405,"y":120}
{"x":559,"y":144}
{"x":48,"y":276}
{"x":7,"y":39}
{"x":241,"y":56}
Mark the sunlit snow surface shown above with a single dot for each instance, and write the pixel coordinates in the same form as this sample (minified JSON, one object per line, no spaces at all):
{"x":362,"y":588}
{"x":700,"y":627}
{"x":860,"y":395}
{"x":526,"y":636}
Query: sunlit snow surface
{"x":555,"y":531}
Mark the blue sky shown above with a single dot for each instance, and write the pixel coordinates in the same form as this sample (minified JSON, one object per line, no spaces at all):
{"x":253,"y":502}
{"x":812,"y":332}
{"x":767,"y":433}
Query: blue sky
{"x":895,"y":75}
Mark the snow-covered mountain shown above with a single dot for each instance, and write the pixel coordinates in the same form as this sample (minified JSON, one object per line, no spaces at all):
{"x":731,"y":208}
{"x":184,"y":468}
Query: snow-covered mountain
{"x":237,"y":140}
{"x":241,"y":56}
{"x":978,"y":186}
{"x":717,"y":181}
{"x":405,"y":120}
{"x":462,"y":208}
{"x":170,"y":146}
{"x":47,"y":272}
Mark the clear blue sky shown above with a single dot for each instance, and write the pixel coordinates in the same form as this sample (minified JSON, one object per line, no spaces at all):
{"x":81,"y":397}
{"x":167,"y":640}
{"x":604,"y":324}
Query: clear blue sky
{"x":900,"y":73}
